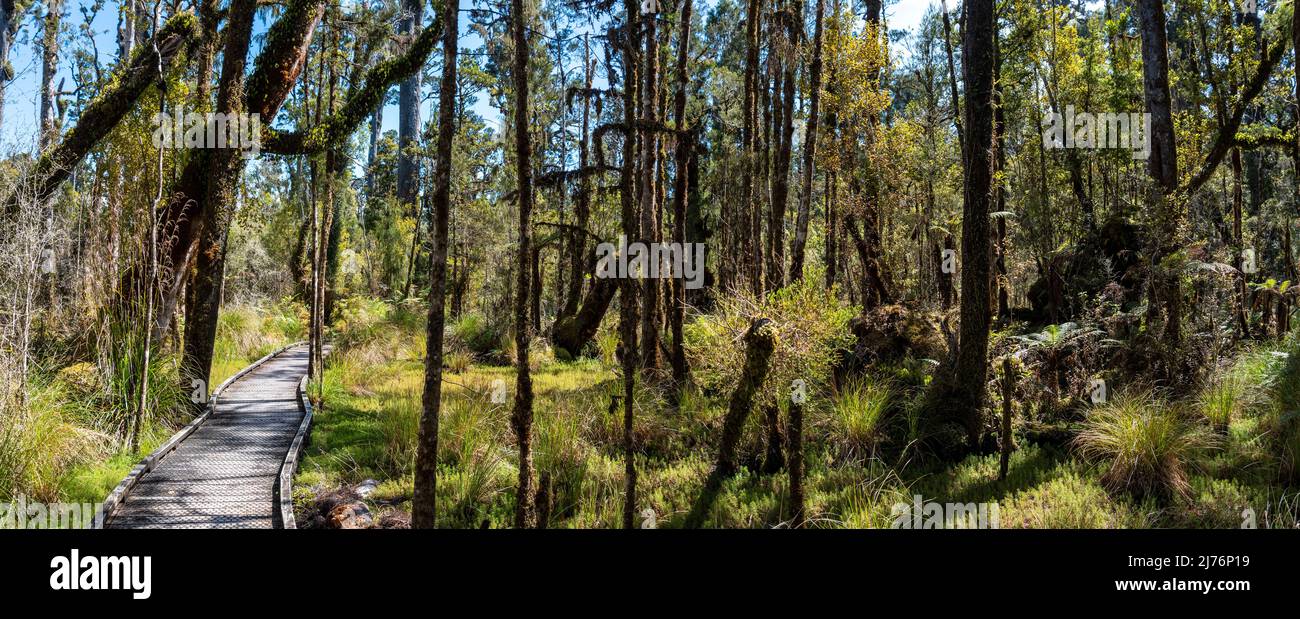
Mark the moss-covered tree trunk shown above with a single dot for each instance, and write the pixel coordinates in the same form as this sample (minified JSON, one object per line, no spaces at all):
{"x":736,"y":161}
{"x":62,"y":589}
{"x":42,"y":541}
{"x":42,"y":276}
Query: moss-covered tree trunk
{"x":204,"y":290}
{"x":408,"y":122}
{"x":648,"y":188}
{"x":522,"y":417}
{"x":423,"y":506}
{"x":681,"y":191}
{"x":572,"y":333}
{"x":8,"y":28}
{"x":972,"y":354}
{"x":631,"y":42}
{"x":959,"y":394}
{"x":795,"y":465}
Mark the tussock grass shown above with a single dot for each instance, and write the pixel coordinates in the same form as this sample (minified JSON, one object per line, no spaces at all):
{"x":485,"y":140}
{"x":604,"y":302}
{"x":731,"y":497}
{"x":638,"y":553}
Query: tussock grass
{"x":1147,"y":445}
{"x":857,"y":416}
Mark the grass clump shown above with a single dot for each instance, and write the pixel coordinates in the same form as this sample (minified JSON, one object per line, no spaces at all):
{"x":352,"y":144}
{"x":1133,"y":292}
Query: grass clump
{"x":1145,"y":444}
{"x":857,"y":416}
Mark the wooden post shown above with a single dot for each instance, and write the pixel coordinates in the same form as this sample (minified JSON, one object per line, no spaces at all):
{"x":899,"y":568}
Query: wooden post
{"x":1008,"y":390}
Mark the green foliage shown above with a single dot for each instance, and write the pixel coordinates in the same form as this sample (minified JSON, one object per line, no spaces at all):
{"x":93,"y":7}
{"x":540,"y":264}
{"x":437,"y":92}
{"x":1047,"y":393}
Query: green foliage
{"x":1282,"y":424}
{"x":1146,"y":445}
{"x":857,"y":416}
{"x":246,"y":333}
{"x":811,"y":328}
{"x":39,"y":445}
{"x":475,"y":333}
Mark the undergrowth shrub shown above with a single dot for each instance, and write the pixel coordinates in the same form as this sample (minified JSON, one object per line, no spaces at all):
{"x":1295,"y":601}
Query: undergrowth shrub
{"x":1281,"y":425}
{"x":475,"y":333}
{"x":811,"y":328}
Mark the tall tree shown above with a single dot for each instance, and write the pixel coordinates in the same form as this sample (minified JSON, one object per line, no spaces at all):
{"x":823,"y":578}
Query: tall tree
{"x":522,"y":418}
{"x":49,"y":68}
{"x":745,"y":243}
{"x":809,"y":150}
{"x":1162,"y":165}
{"x":408,"y":116}
{"x":681,"y":188}
{"x":426,"y":463}
{"x":204,"y":290}
{"x":787,"y":56}
{"x":648,"y":187}
{"x":630,"y":44}
{"x":965,"y":394}
{"x":10,"y":19}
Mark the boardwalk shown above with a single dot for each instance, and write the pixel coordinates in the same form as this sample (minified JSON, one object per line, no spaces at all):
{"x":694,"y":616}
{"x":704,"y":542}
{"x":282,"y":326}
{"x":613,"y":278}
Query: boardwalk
{"x":223,"y":475}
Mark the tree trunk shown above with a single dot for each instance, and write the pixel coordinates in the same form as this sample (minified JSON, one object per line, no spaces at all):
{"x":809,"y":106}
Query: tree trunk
{"x":423,"y":505}
{"x":578,"y":252}
{"x":781,"y":182}
{"x":831,"y":254}
{"x":876,"y":281}
{"x":408,"y":119}
{"x":1008,"y":393}
{"x":759,"y":342}
{"x":795,"y":465}
{"x":8,"y":28}
{"x":1239,"y":278}
{"x":628,"y":309}
{"x":372,"y":151}
{"x":967,"y":389}
{"x":572,"y":333}
{"x":1163,"y":162}
{"x":744,"y":236}
{"x":774,"y":460}
{"x":681,"y":191}
{"x":522,"y":418}
{"x":1163,"y":288}
{"x":809,"y":153}
{"x":952,"y":79}
{"x":204,"y":303}
{"x":650,"y":232}
{"x":49,"y":129}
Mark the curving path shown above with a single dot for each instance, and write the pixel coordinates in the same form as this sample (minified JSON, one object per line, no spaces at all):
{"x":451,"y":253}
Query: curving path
{"x":223,"y":475}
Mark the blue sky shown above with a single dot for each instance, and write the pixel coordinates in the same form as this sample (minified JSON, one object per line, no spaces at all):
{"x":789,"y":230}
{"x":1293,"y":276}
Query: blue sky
{"x":21,"y":97}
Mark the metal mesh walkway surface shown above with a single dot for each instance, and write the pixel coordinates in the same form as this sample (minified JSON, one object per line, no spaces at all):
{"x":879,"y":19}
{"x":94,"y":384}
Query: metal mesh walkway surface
{"x":223,"y":475}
